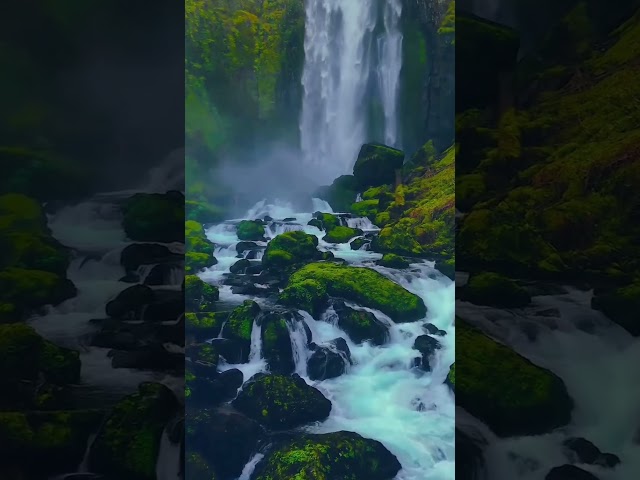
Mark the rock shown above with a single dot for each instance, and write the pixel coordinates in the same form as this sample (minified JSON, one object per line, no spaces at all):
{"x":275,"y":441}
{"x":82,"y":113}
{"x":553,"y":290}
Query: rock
{"x":447,"y":267}
{"x":291,"y":249}
{"x":151,"y":357}
{"x":431,"y":329}
{"x":137,"y":254}
{"x":233,"y":351}
{"x":520,"y":399}
{"x":569,"y":472}
{"x":196,"y":240}
{"x":329,"y":361}
{"x":166,"y":306}
{"x":240,"y":266}
{"x":365,"y":208}
{"x":391,"y":260}
{"x":282,"y":402}
{"x":239,"y":326}
{"x":165,"y":273}
{"x":128,"y":304}
{"x":495,"y":290}
{"x":360,"y":325}
{"x":196,"y":262}
{"x":358,"y":243}
{"x":365,"y":287}
{"x":154,"y":217}
{"x":276,"y":344}
{"x":619,"y":305}
{"x":225,"y":438}
{"x":450,"y":381}
{"x":309,"y":295}
{"x":581,"y":450}
{"x":376,"y":165}
{"x":329,"y":456}
{"x":469,"y":458}
{"x":427,"y":346}
{"x":242,"y":247}
{"x":340,"y":194}
{"x":250,"y":231}
{"x":128,"y":443}
{"x":203,"y":326}
{"x":341,"y":234}
{"x":42,"y":442}
{"x":199,"y":296}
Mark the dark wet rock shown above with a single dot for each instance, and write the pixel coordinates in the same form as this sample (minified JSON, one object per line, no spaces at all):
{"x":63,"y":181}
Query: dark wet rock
{"x":358,"y":243}
{"x":289,"y":219}
{"x":166,"y":306}
{"x":276,"y":343}
{"x":376,"y":165}
{"x":469,"y":458}
{"x":128,"y":443}
{"x":227,"y":439}
{"x":427,"y":346}
{"x":129,"y":303}
{"x":130,"y":278}
{"x":233,"y":350}
{"x":329,"y":456}
{"x":242,"y":247}
{"x":431,"y":329}
{"x":329,"y":361}
{"x":282,"y":402}
{"x":162,"y":274}
{"x":549,"y":313}
{"x":360,"y":325}
{"x":153,"y":357}
{"x":240,"y":266}
{"x":581,"y":450}
{"x":137,"y":254}
{"x":569,"y":472}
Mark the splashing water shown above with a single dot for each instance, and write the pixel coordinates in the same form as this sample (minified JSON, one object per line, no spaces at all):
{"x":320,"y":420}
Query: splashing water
{"x":339,"y":66}
{"x":381,"y":396}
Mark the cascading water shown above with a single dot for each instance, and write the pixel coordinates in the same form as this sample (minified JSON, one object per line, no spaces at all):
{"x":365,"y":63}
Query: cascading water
{"x":389,"y":66}
{"x":339,"y":65}
{"x":382,"y":395}
{"x":591,"y":355}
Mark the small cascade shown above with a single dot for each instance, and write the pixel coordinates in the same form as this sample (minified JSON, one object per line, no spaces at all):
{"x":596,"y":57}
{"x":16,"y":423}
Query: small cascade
{"x":250,"y":466}
{"x":168,"y":463}
{"x":381,"y":395}
{"x":84,"y":464}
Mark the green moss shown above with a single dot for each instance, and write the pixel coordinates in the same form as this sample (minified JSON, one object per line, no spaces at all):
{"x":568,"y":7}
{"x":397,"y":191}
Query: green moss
{"x":202,"y":212}
{"x":494,"y":289}
{"x":250,"y":231}
{"x":156,"y":217}
{"x":621,"y":305}
{"x":196,"y":262}
{"x":309,"y":295}
{"x":27,"y":289}
{"x":451,"y":377}
{"x":59,"y":365}
{"x":288,"y":400}
{"x":205,"y":325}
{"x":196,"y":240}
{"x":341,"y":234}
{"x":128,"y":444}
{"x":289,"y":249}
{"x":199,"y":296}
{"x":364,"y":286}
{"x":366,"y":208}
{"x":240,"y":321}
{"x":376,"y":165}
{"x":344,"y":455}
{"x":519,"y":397}
{"x":391,"y":260}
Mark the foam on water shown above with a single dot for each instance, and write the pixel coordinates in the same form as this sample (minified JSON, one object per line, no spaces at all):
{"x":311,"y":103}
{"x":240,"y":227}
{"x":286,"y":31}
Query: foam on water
{"x":382,"y":396}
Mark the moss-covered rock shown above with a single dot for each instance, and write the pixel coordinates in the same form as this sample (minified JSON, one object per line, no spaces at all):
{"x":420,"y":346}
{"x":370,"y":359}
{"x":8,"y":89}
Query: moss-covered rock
{"x":392,"y":260}
{"x":328,"y":221}
{"x":621,"y":305}
{"x":341,"y":234}
{"x":451,"y":377}
{"x":202,"y":212}
{"x":329,"y":456}
{"x":291,"y":249}
{"x":204,"y":325}
{"x":308,"y":295}
{"x":376,"y":165}
{"x":340,"y":194}
{"x":196,"y":262}
{"x":250,"y":230}
{"x":196,"y":239}
{"x":282,"y":402}
{"x":364,"y":286}
{"x":127,"y":445}
{"x":366,"y":208}
{"x":496,"y":290}
{"x":358,"y":243}
{"x":360,"y":325}
{"x":276,"y":344}
{"x":130,"y":303}
{"x":150,"y":217}
{"x":24,"y":290}
{"x":223,"y":438}
{"x":447,"y":267}
{"x":41,"y":442}
{"x":198,"y":467}
{"x":199,"y":295}
{"x":239,"y":326}
{"x":506,"y":391}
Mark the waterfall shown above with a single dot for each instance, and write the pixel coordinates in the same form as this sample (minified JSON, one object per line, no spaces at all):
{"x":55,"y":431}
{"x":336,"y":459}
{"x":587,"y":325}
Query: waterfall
{"x":340,"y":62}
{"x":390,"y":64}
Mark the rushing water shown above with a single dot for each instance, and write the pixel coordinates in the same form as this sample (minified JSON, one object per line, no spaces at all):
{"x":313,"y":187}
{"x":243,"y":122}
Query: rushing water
{"x":594,"y":357}
{"x":382,"y":395}
{"x":340,"y":63}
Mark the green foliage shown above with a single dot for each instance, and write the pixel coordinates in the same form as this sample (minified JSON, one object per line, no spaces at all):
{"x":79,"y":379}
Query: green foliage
{"x":250,"y":230}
